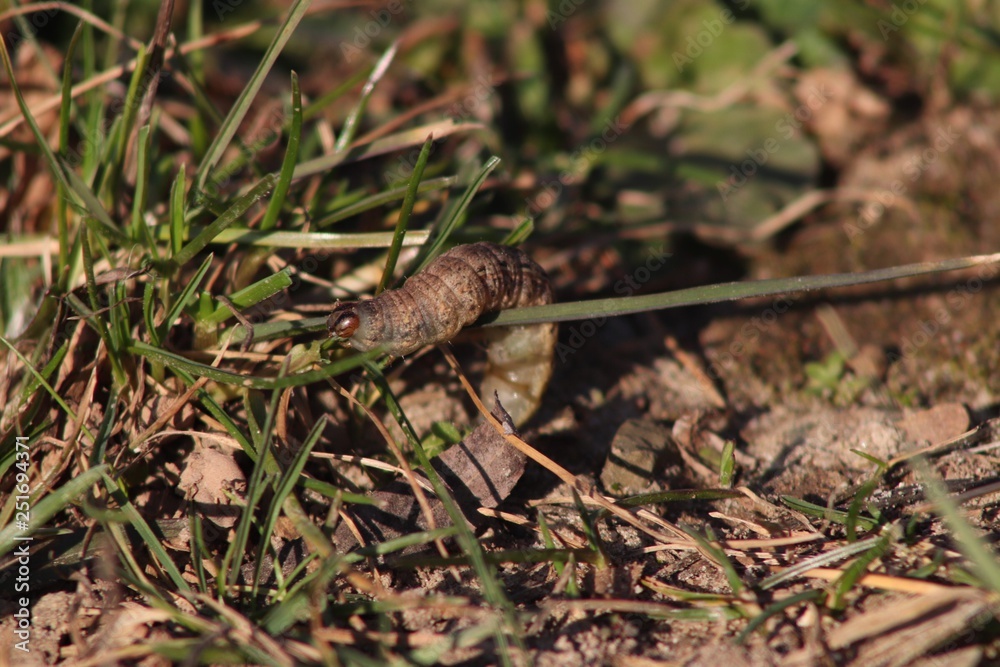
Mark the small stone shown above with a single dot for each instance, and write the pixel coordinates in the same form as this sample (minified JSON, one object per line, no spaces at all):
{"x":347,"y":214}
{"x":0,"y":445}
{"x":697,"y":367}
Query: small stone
{"x":635,"y":452}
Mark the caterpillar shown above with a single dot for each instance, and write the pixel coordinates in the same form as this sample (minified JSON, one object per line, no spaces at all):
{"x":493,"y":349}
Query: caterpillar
{"x":451,"y":293}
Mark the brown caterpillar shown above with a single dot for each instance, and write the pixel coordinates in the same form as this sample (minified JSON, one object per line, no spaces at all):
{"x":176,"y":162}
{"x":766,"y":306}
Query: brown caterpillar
{"x":451,"y":293}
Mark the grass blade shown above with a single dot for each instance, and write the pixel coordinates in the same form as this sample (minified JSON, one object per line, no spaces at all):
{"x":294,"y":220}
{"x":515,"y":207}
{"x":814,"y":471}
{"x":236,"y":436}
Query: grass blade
{"x":177,"y":362}
{"x":404,"y":215}
{"x":443,"y":231}
{"x":66,"y":177}
{"x":985,"y":562}
{"x":177,"y":206}
{"x":152,"y":541}
{"x":288,"y":164}
{"x":42,"y":381}
{"x":282,"y":488}
{"x":350,"y":129}
{"x":49,"y":506}
{"x":246,"y":98}
{"x":492,"y":590}
{"x":390,"y":144}
{"x":232,"y":214}
{"x":280,"y":239}
{"x":251,"y":295}
{"x":584,"y":310}
{"x":183,"y":299}
{"x":382,"y":198}
{"x":140,"y":230}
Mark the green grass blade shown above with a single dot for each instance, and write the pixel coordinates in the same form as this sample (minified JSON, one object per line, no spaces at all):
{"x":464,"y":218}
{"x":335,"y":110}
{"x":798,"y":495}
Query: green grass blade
{"x":62,"y":207}
{"x":519,"y":234}
{"x":584,"y":310}
{"x":257,"y":485}
{"x":232,"y":214}
{"x":720,"y":558}
{"x":136,"y":89}
{"x":148,"y":312}
{"x":66,"y":177}
{"x":43,"y":511}
{"x":404,"y":215}
{"x":199,"y":549}
{"x":324,"y":101}
{"x":858,"y":501}
{"x":187,"y":294}
{"x":288,"y":164}
{"x":90,"y":205}
{"x":177,"y":362}
{"x":857,"y":569}
{"x":828,"y":558}
{"x":42,"y":381}
{"x":217,"y":412}
{"x":246,"y":98}
{"x":390,"y":144}
{"x":119,"y":315}
{"x":812,"y":595}
{"x":53,"y":364}
{"x":589,"y":528}
{"x":457,"y":215}
{"x":985,"y":561}
{"x":140,"y":231}
{"x":492,"y":590}
{"x":728,"y":466}
{"x":678,"y":495}
{"x":281,"y":329}
{"x":252,"y":295}
{"x":378,"y":199}
{"x":177,"y":207}
{"x":827,"y":513}
{"x":129,"y":511}
{"x":289,"y":478}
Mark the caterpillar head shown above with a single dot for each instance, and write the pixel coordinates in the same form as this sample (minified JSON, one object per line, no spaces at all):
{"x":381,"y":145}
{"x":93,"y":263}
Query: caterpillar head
{"x":351,"y":321}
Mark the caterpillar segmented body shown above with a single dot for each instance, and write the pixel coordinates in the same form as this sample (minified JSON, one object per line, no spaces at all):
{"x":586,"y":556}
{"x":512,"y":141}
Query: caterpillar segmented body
{"x":451,"y":293}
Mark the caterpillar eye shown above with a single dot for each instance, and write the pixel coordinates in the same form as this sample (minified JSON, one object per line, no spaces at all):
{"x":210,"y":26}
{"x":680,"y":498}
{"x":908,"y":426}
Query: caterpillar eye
{"x":343,"y":324}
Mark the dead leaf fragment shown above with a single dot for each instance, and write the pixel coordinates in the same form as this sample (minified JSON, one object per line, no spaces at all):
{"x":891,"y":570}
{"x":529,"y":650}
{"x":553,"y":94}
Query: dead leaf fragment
{"x":210,"y":478}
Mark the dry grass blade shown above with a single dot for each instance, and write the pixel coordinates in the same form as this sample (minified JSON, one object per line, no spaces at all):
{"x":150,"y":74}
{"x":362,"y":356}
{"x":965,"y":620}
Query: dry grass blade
{"x":404,"y":464}
{"x":905,"y":629}
{"x":81,"y":13}
{"x":585,"y":489}
{"x":12,"y":120}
